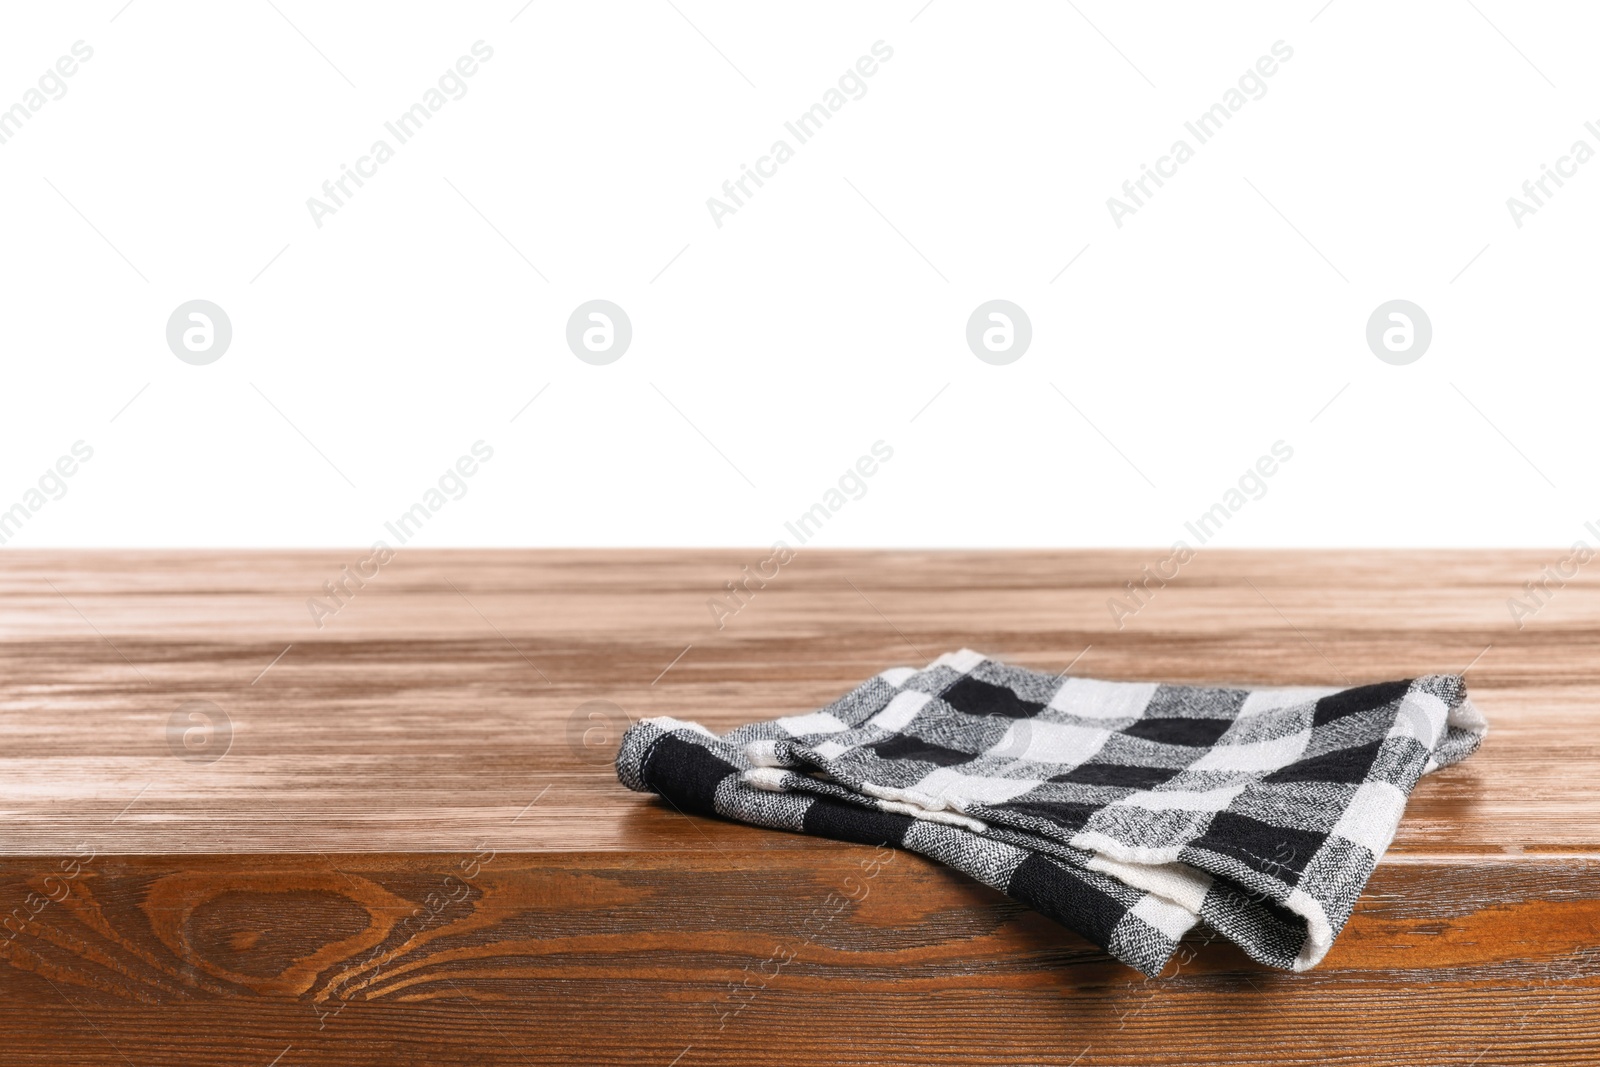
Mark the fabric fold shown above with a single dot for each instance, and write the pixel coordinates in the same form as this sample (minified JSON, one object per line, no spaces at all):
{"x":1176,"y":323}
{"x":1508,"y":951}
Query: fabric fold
{"x":1127,"y":811}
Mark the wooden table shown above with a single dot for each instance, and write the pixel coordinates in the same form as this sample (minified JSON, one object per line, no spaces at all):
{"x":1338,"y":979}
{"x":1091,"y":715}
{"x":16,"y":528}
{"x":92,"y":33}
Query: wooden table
{"x":233,"y":836}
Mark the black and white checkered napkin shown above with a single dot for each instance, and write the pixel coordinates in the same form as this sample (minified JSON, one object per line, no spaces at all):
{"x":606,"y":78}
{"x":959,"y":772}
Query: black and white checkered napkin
{"x":1127,"y":811}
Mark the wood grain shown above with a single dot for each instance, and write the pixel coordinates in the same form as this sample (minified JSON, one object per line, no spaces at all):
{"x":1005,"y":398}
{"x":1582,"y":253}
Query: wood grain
{"x":414,"y":848}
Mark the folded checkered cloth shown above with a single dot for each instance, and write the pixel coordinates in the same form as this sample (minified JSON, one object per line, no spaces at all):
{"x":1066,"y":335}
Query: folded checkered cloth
{"x":1127,"y":811}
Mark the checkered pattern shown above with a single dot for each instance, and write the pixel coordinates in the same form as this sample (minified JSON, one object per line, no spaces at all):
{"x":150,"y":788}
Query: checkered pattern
{"x":1127,"y":811}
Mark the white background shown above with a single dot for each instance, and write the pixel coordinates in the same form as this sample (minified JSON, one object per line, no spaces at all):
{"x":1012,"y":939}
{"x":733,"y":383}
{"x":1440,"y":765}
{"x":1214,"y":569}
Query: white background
{"x":830,"y":311}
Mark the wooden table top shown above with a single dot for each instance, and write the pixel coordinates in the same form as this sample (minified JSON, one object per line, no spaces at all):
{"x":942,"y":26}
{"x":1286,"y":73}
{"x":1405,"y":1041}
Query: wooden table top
{"x":231,"y":833}
{"x":453,"y":690}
